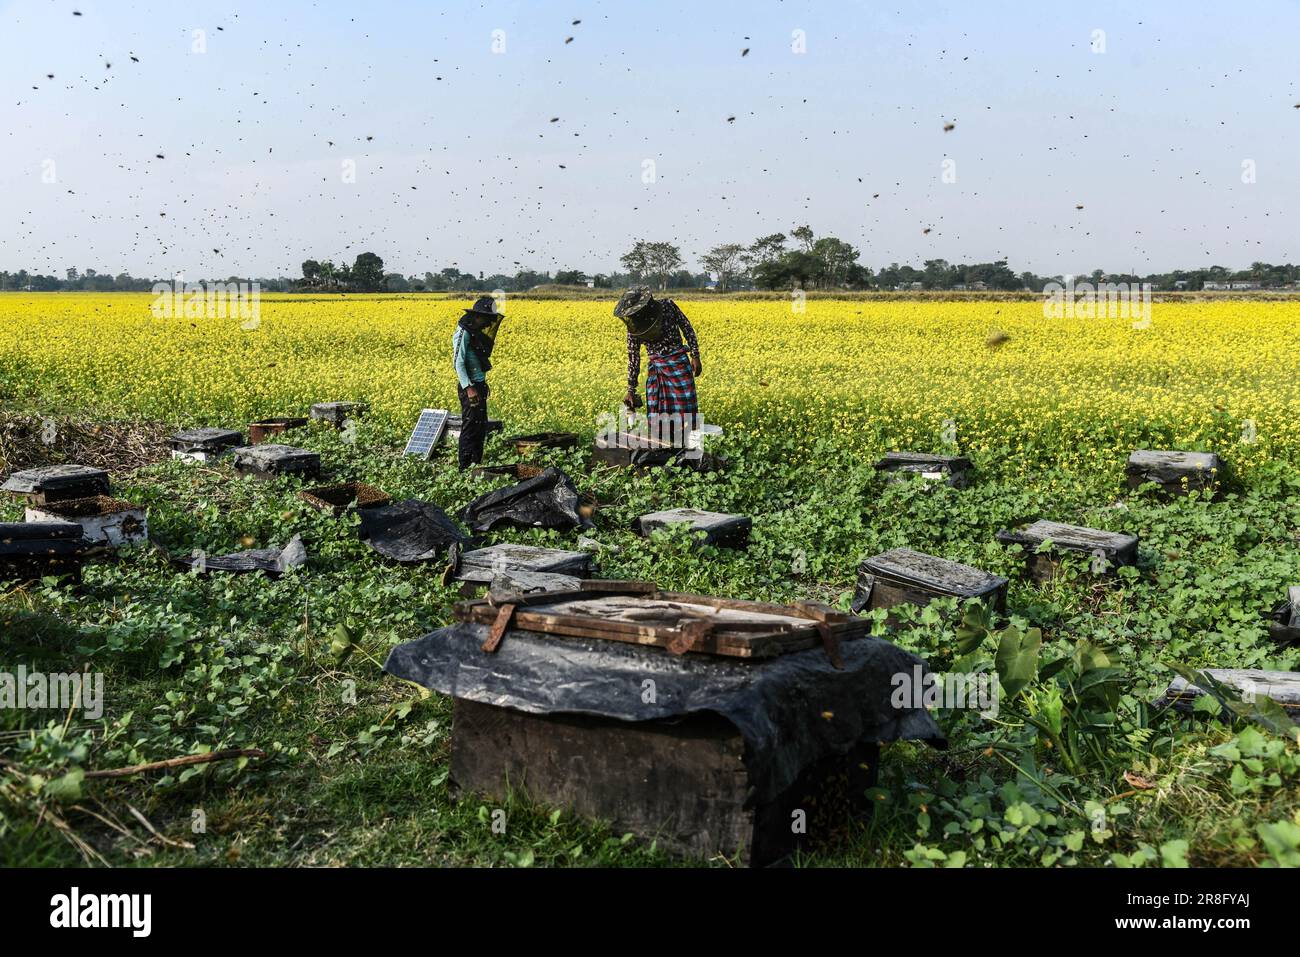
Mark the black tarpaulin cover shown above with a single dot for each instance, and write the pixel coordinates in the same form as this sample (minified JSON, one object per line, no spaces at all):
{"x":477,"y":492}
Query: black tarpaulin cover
{"x":548,"y":500}
{"x":791,"y":710}
{"x":409,"y":531}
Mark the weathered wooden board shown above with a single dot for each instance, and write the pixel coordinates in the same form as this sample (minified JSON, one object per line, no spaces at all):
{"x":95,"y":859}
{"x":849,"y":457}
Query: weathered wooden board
{"x":903,"y":575}
{"x":951,"y":469}
{"x":677,"y":622}
{"x":1282,"y":686}
{"x":682,"y":783}
{"x":482,"y":563}
{"x":1109,"y":549}
{"x":336,"y":413}
{"x":57,"y":483}
{"x":205,"y":441}
{"x":714,"y":528}
{"x":1176,"y":472}
{"x":269,"y":460}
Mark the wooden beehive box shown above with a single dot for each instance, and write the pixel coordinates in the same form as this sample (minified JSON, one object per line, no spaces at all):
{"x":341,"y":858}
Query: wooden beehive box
{"x":1284,"y":623}
{"x":269,"y":461}
{"x":1177,"y":473}
{"x":31,"y":550}
{"x":714,"y":528}
{"x":636,"y":775}
{"x":204,"y":445}
{"x":762,"y":711}
{"x":262,"y":431}
{"x":103,"y":520}
{"x":1108,"y":550}
{"x":336,"y":413}
{"x":337,"y":499}
{"x":952,"y":470}
{"x":902,"y":575}
{"x":1282,"y":686}
{"x":528,"y":444}
{"x":527,"y":564}
{"x":57,"y":483}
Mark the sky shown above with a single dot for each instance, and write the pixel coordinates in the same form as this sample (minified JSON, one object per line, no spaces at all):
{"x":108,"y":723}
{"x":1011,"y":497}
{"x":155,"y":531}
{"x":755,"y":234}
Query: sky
{"x":216,"y":139}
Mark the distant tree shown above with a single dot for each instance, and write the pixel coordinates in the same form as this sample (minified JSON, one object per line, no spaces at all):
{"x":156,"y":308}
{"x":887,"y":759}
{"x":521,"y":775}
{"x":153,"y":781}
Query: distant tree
{"x":664,"y":260}
{"x":571,"y":277}
{"x":368,"y":272}
{"x":396,"y":282}
{"x":725,"y":263}
{"x":311,"y":272}
{"x":804,"y":235}
{"x":836,"y":258}
{"x":637,"y":260}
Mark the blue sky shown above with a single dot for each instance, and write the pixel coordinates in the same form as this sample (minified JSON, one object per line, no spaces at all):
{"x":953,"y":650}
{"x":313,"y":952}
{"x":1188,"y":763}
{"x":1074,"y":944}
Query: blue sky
{"x":258,"y":123}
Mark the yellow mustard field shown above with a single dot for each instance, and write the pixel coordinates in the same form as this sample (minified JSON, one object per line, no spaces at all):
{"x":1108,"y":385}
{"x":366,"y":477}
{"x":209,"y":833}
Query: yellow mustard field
{"x":858,"y":373}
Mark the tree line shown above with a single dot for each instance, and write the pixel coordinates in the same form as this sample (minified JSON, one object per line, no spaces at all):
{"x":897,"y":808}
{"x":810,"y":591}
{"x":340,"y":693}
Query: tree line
{"x":777,"y":261}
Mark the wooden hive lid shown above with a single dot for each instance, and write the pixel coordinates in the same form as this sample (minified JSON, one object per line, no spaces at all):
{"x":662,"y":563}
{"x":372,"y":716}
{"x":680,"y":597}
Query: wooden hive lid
{"x":205,"y":438}
{"x":52,"y":477}
{"x":1143,"y":459}
{"x":1077,"y":538}
{"x":270,"y":455}
{"x":906,"y":566}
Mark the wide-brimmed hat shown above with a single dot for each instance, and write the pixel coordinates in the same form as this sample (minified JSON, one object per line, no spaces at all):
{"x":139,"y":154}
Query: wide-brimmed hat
{"x":633,"y":301}
{"x":485,"y":306}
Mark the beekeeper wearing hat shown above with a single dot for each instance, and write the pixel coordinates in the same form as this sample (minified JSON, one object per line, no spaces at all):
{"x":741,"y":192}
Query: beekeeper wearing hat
{"x":471,"y":347}
{"x":673,"y":351}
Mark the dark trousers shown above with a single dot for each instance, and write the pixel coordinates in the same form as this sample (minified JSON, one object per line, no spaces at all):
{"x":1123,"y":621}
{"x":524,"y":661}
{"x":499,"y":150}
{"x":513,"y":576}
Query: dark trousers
{"x":473,"y":425}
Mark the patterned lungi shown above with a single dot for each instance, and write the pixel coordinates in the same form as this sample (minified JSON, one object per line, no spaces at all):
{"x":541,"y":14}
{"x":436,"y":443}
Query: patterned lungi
{"x":670,"y":384}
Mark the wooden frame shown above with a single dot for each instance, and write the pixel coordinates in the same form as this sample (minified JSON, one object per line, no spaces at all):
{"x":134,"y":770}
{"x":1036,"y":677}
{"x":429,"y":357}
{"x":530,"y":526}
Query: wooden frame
{"x":803,"y":624}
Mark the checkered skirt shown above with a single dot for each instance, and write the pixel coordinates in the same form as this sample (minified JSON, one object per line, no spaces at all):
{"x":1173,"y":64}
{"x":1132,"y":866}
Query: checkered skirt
{"x":670,"y":384}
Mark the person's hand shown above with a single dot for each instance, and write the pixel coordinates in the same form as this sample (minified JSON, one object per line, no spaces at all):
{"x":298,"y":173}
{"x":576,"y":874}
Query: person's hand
{"x":472,"y":392}
{"x":632,"y":400}
{"x":695,"y":365}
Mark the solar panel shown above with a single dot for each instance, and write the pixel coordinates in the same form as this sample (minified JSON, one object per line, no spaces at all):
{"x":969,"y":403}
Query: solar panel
{"x":428,"y":430}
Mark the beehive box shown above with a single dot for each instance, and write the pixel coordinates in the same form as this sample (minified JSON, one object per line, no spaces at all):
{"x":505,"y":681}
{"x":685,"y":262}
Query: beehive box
{"x":1177,"y":473}
{"x":270,"y":460}
{"x":1284,"y":623}
{"x":336,"y":413}
{"x":1108,"y":550}
{"x":57,"y":483}
{"x":952,"y":470}
{"x":713,"y":528}
{"x":103,"y":520}
{"x":904,"y":576}
{"x":1249,"y":683}
{"x":528,"y":444}
{"x":204,"y":445}
{"x":682,"y":782}
{"x":452,"y":433}
{"x":480,"y":564}
{"x":337,"y":499}
{"x":259,"y":432}
{"x":513,"y":470}
{"x":31,"y":550}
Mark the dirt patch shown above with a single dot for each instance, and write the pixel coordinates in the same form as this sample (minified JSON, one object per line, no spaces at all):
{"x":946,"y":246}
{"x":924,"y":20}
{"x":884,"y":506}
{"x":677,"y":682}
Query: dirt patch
{"x":28,"y":441}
